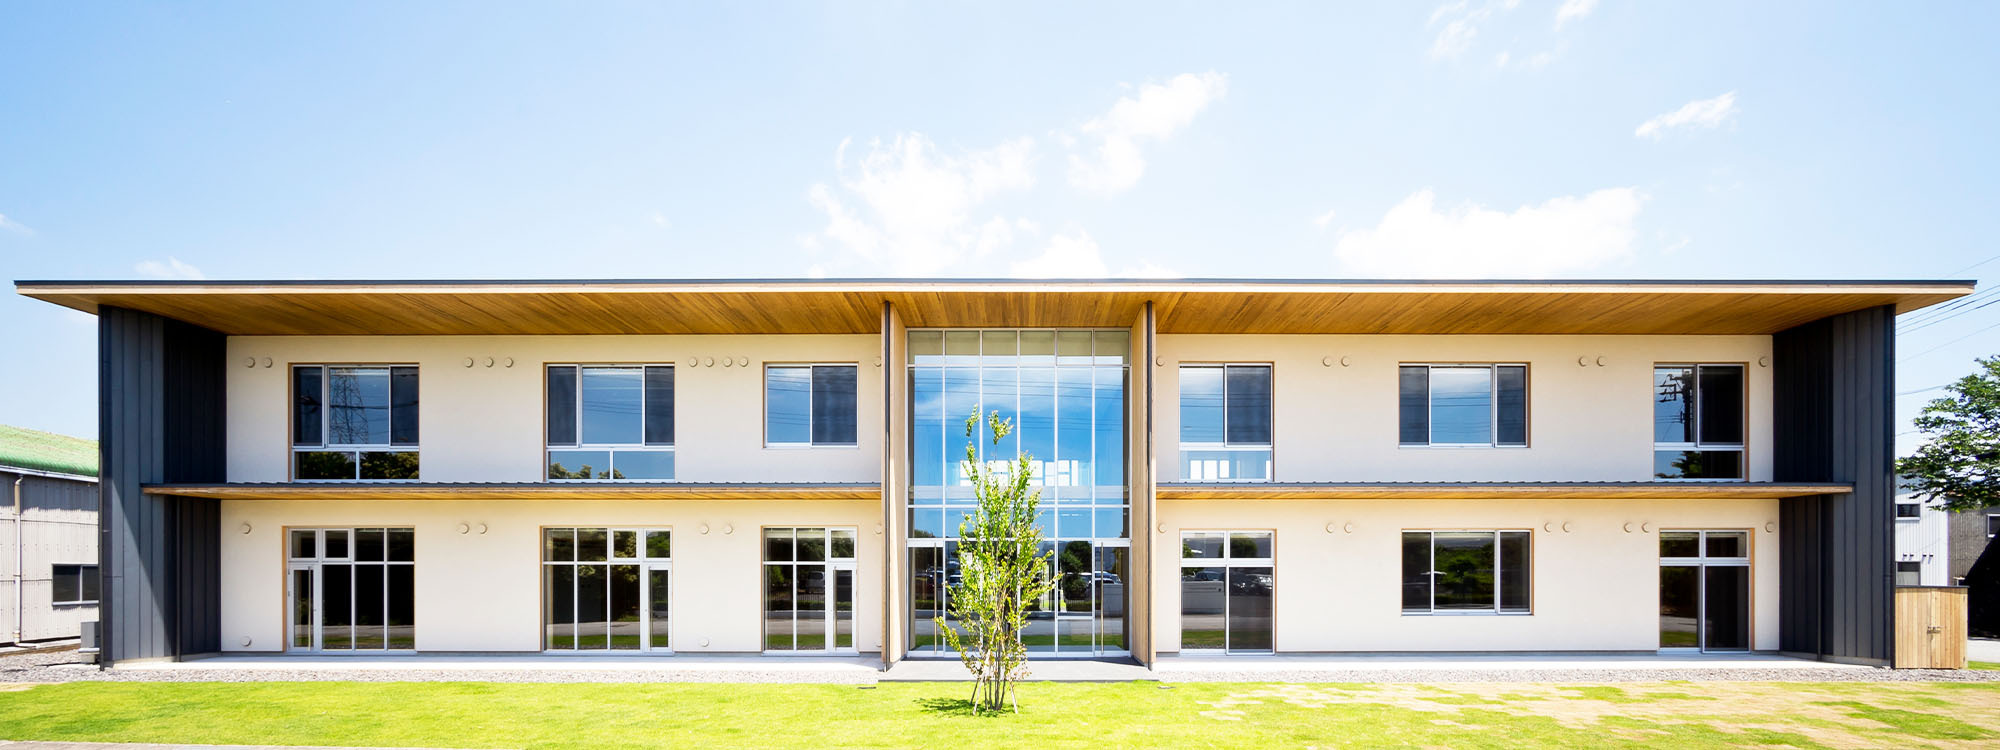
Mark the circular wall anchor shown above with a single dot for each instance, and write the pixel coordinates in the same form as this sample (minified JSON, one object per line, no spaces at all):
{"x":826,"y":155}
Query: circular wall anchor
{"x":1345,"y":361}
{"x":246,"y":640}
{"x":1600,"y":360}
{"x":267,"y":361}
{"x":703,"y":528}
{"x":1770,"y":526}
{"x":878,"y":529}
{"x":1628,"y":527}
{"x":1646,"y":527}
{"x":878,"y":361}
{"x":1763,"y":361}
{"x":1583,"y":361}
{"x":508,"y":362}
{"x":468,"y":361}
{"x":728,"y":361}
{"x":704,"y":642}
{"x":1162,"y":528}
{"x":464,"y":529}
{"x":249,"y":361}
{"x":694,"y":362}
{"x":246,"y":528}
{"x":728,"y":528}
{"x":482,"y":529}
{"x":1329,"y":527}
{"x":708,"y":362}
{"x":1565,"y":527}
{"x":1549,"y":526}
{"x":1159,"y":361}
{"x":1326,"y":361}
{"x":489,"y":361}
{"x":1348,"y":528}
{"x":742,"y":361}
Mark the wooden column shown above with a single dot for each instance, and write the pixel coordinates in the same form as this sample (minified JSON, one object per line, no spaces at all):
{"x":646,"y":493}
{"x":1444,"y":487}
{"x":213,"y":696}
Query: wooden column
{"x":895,"y":484}
{"x":1141,"y":487}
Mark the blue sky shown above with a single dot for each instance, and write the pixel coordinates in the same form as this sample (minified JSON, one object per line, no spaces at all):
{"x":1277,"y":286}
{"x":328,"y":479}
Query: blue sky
{"x":1565,"y":138}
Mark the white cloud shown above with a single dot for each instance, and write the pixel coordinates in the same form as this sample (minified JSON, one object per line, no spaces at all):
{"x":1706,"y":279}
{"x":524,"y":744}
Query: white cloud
{"x":1700,"y":113}
{"x":1574,"y":10}
{"x":1155,"y":114}
{"x":171,"y":268}
{"x":1461,"y":25}
{"x":1324,"y":219}
{"x":14,"y":226}
{"x":659,"y":220}
{"x":1565,"y":234}
{"x":908,"y":205}
{"x":1066,"y":257}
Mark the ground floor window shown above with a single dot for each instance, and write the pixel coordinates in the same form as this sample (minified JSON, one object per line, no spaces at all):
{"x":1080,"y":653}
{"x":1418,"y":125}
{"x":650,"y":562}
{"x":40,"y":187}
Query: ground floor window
{"x":808,"y":589}
{"x":1226,"y":586}
{"x":607,"y":589}
{"x":1466,"y":572}
{"x":351,"y":589}
{"x":1705,"y":590}
{"x":73,"y":584}
{"x":1909,"y":573}
{"x":1083,"y":616}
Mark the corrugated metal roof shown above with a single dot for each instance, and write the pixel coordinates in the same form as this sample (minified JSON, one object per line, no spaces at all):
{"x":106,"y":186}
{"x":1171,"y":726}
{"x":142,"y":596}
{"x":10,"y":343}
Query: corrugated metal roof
{"x":36,"y":450}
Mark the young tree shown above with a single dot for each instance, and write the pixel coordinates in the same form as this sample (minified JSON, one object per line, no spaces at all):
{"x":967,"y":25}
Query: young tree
{"x":1959,"y":462}
{"x":1001,"y":570}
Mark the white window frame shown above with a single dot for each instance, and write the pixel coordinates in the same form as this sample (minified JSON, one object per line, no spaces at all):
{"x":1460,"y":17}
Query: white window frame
{"x":765,"y":396}
{"x":646,"y":564}
{"x":1741,"y":448}
{"x":610,"y":449}
{"x":833,"y":565}
{"x":326,"y":422}
{"x":1493,"y":415}
{"x":1227,"y":561}
{"x":1268,"y":447}
{"x":316,"y":565}
{"x":54,"y":573}
{"x":1499,"y":575}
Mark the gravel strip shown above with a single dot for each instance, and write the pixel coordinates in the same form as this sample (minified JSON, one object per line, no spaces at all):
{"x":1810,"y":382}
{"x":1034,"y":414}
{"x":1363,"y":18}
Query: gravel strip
{"x":69,"y":666}
{"x":1591,"y":676}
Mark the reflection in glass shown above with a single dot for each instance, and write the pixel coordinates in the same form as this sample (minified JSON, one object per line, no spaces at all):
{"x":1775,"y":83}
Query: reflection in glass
{"x":1680,"y":606}
{"x":1417,"y":576}
{"x":788,"y":405}
{"x":1728,"y":544}
{"x":1461,"y":405}
{"x":1249,"y":609}
{"x":1680,"y":544}
{"x":357,"y":406}
{"x":371,"y":617}
{"x":302,"y":608}
{"x":561,"y":589}
{"x":1673,"y":404}
{"x":1515,"y":573}
{"x":1203,"y":602}
{"x":1725,"y":622}
{"x":336,"y":609}
{"x":612,"y":402}
{"x":402,"y":628}
{"x":625,"y":606}
{"x":305,"y":544}
{"x":1687,"y":464}
{"x":1464,"y":565}
{"x":593,"y":608}
{"x":658,"y":590}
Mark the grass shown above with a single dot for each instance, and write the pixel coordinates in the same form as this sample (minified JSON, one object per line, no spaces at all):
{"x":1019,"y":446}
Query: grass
{"x":1982,"y":665}
{"x":1140,"y":714}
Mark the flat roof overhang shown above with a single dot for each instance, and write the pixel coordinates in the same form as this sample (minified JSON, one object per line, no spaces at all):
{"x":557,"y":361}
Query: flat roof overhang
{"x":854,"y":306}
{"x":1496,"y":490}
{"x":519,"y":491}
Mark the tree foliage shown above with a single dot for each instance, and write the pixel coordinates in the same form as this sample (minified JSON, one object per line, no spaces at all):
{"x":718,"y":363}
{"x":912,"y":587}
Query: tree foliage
{"x":1002,"y":569}
{"x":1959,"y":462}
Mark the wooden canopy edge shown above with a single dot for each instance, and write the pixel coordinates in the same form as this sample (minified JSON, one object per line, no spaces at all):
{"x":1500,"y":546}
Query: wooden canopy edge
{"x":519,"y":491}
{"x":1498,"y":490}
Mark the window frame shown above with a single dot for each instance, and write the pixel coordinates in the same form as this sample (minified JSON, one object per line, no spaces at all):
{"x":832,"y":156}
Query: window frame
{"x":610,"y":449}
{"x":56,"y":572}
{"x":1227,"y":561}
{"x":1499,"y":574}
{"x":1992,"y":528}
{"x":1493,"y":412}
{"x":765,"y":396}
{"x":1270,"y":446}
{"x":325,"y":406}
{"x":647,"y":564}
{"x":1741,"y":448}
{"x":1916,"y":513}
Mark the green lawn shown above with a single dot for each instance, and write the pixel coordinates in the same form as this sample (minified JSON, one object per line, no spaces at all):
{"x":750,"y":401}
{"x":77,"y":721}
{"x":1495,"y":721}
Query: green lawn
{"x":1474,"y":715}
{"x":1982,"y":665}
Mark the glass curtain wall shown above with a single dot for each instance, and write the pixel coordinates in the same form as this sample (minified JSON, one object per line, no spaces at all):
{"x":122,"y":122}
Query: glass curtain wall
{"x":1064,"y":390}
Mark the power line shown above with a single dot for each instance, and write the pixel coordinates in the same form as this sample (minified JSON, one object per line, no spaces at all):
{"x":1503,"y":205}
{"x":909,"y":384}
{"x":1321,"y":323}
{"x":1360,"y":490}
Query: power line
{"x":1935,"y":321}
{"x":1948,"y":343}
{"x":1931,"y":314}
{"x":1975,"y":265}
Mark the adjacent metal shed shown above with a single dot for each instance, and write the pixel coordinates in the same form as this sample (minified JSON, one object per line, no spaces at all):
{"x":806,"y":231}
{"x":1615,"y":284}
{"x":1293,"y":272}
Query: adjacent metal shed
{"x":48,"y":543}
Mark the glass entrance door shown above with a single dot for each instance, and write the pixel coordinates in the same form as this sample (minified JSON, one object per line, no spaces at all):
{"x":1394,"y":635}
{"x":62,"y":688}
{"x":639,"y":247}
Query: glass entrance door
{"x":1704,"y":591}
{"x":808,"y":590}
{"x":1226,"y":592}
{"x":350,"y":589}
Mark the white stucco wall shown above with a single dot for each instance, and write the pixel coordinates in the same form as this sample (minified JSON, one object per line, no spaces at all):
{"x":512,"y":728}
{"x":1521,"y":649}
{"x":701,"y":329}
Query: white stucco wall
{"x":1595,"y":586}
{"x":484,"y":424}
{"x":1338,"y":423}
{"x":482,"y":592}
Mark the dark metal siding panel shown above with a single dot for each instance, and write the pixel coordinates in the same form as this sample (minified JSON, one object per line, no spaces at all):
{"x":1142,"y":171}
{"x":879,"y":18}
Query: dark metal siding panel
{"x":1834,"y":388}
{"x":160,"y":401}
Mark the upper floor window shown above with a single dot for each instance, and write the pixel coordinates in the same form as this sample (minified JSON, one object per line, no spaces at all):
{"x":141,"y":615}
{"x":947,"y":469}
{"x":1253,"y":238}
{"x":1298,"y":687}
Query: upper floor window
{"x":610,"y":422}
{"x":354,"y":422}
{"x":1476,"y":405}
{"x":809,"y":405}
{"x":1698,"y":421}
{"x":1226,"y":422}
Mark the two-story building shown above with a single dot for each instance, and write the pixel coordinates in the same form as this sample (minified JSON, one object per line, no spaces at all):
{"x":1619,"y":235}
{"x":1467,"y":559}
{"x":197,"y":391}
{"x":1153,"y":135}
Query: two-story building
{"x":1225,"y":466}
